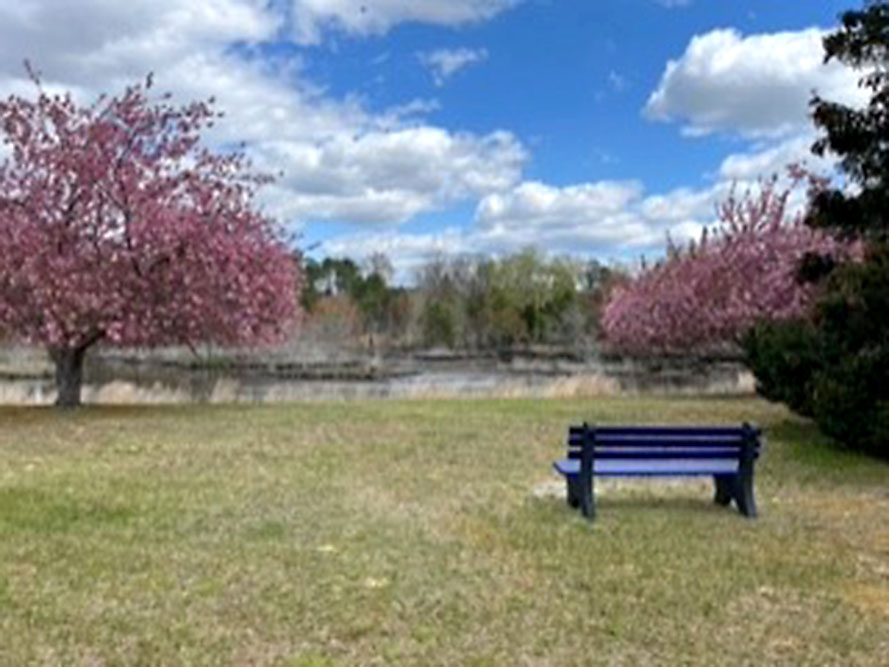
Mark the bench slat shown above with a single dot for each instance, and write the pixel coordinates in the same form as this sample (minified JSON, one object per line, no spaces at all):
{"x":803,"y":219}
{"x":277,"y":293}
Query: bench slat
{"x":664,"y":440}
{"x":662,"y":429}
{"x":651,"y":467}
{"x":661,"y":453}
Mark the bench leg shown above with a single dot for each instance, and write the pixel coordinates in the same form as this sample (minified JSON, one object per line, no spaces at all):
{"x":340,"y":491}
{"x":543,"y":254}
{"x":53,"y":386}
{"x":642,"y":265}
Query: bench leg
{"x":587,"y":499}
{"x":744,"y":494}
{"x":572,"y":491}
{"x":724,"y":489}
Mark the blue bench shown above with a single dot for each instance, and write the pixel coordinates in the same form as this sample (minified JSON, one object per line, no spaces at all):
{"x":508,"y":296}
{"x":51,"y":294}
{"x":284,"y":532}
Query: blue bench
{"x":726,"y":453}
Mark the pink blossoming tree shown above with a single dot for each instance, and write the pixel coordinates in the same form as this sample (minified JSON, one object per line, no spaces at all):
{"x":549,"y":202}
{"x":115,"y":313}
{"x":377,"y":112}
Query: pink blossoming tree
{"x":117,"y":226}
{"x":707,"y":296}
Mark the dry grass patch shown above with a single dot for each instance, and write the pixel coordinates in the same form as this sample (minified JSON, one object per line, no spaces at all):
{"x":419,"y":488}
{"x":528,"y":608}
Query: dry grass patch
{"x":423,"y":532}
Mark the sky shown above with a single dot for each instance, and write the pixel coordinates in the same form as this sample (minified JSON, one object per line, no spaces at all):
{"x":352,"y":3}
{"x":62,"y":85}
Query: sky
{"x":416,"y":128}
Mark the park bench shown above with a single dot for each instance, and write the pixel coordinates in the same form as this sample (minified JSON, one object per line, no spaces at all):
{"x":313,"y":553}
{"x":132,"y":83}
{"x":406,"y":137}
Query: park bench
{"x":727,"y":453}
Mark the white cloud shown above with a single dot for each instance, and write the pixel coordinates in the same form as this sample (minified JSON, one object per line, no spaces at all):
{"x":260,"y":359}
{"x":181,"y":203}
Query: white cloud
{"x":339,"y":161}
{"x":758,"y":86}
{"x":389,"y":177}
{"x":684,"y":208}
{"x":670,"y":4}
{"x":534,"y":204}
{"x":444,"y":63}
{"x":92,"y":39}
{"x":774,"y":159}
{"x":604,"y":219}
{"x":614,"y":218}
{"x":375,"y":17}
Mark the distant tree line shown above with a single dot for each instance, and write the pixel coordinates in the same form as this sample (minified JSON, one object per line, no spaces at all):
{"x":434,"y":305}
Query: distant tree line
{"x":464,"y":303}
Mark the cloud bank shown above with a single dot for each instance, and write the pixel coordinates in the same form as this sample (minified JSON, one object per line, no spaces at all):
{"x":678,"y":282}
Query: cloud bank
{"x":341,"y":162}
{"x":757,"y":86}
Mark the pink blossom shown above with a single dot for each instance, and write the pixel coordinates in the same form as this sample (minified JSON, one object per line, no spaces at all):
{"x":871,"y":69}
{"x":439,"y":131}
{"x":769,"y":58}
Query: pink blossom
{"x":116,"y":225}
{"x":705,"y":297}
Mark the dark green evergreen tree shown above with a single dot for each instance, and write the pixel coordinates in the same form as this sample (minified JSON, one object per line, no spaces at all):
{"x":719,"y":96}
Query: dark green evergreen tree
{"x":836,"y":367}
{"x":859,"y":137}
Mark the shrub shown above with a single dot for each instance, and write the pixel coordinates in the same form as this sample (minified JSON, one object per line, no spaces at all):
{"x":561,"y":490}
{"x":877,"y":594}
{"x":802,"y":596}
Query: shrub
{"x":783,"y":356}
{"x":850,"y":394}
{"x":836,"y":367}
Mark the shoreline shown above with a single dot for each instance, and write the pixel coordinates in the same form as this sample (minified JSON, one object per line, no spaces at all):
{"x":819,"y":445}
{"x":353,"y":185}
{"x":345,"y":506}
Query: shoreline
{"x":119,"y":379}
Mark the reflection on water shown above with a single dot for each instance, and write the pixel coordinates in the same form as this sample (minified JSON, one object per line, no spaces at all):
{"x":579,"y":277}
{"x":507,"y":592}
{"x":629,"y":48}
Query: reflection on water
{"x":109,"y":382}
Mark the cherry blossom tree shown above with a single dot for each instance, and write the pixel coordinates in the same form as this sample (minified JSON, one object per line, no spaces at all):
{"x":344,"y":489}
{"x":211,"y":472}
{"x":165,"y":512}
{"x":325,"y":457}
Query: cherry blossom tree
{"x":705,"y":297}
{"x":116,"y":225}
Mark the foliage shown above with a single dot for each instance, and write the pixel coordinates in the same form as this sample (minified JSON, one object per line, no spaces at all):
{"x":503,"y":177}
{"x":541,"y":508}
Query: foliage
{"x":330,"y":277}
{"x":335,"y":318}
{"x":382,"y":309}
{"x":708,"y":295}
{"x":857,"y":136}
{"x":468,"y":302}
{"x":372,"y":297}
{"x":116,"y":226}
{"x":531,"y":296}
{"x":455,"y":301}
{"x":835,"y":368}
{"x":439,"y":324}
{"x":847,"y":349}
{"x":520,"y":299}
{"x":785,"y":359}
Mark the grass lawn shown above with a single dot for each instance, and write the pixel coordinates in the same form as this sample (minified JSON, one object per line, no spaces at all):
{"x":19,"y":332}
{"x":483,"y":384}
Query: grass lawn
{"x":423,"y":532}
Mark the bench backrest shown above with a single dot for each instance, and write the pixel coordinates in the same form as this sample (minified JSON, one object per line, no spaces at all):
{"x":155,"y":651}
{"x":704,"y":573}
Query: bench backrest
{"x":665,"y":442}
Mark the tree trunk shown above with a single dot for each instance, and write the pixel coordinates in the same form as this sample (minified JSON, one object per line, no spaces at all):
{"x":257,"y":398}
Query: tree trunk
{"x":69,"y":375}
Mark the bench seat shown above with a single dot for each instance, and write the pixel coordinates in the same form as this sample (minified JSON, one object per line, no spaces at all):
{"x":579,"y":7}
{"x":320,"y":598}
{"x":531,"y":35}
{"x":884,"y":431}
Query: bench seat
{"x":651,"y":467}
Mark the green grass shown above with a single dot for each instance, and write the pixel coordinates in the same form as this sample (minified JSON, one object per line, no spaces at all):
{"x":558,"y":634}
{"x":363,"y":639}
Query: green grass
{"x":416,"y":533}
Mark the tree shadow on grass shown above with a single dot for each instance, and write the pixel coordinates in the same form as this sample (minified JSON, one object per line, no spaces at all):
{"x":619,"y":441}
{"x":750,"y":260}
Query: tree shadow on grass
{"x":799,"y":443}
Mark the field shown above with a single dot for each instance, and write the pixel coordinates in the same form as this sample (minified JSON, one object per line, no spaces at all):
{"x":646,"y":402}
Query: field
{"x":423,"y":533}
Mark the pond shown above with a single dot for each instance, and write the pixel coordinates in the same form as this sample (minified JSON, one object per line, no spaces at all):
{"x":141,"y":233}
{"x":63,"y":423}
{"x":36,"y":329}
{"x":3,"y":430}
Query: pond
{"x":110,"y":380}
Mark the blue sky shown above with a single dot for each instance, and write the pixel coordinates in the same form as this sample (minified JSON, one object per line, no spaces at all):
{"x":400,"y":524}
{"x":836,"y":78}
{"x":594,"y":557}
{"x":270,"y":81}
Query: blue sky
{"x":416,"y":127}
{"x":569,"y":78}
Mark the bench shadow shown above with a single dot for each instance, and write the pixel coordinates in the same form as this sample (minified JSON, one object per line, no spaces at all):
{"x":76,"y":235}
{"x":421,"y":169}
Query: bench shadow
{"x":642,"y":503}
